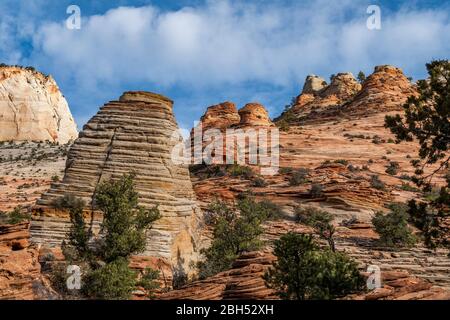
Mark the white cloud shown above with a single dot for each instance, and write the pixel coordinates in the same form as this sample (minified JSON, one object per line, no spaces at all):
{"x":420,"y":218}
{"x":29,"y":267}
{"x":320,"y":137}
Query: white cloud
{"x":226,"y":42}
{"x":219,"y":50}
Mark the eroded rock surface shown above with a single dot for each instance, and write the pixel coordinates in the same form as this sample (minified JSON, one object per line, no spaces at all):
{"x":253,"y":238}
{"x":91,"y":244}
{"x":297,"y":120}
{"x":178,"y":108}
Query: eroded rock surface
{"x":254,"y":115}
{"x":133,"y":134}
{"x":32,"y":108}
{"x":20,"y":277}
{"x":387,"y":89}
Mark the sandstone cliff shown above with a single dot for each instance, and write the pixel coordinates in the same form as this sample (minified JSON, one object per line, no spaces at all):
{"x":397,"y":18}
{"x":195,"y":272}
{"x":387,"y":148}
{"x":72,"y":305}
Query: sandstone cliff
{"x":254,"y":115}
{"x":220,"y":116}
{"x":20,"y":277}
{"x":387,"y":89}
{"x":225,"y":115}
{"x":32,"y":108}
{"x":132,"y":134}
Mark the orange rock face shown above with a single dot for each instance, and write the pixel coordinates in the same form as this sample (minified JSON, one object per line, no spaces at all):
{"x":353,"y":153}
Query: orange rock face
{"x":254,"y":115}
{"x":220,"y":116}
{"x":20,"y":277}
{"x":387,"y":89}
{"x":243,"y":281}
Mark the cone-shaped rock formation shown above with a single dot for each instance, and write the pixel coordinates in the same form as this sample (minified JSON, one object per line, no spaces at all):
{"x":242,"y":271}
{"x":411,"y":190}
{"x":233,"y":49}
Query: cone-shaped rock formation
{"x":132,"y":134}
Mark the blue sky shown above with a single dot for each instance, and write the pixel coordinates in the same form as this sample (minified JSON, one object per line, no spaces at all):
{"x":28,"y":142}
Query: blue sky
{"x":200,"y":53}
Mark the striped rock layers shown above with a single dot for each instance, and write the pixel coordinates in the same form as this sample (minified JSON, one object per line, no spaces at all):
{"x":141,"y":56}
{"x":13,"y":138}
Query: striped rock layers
{"x":132,"y":134}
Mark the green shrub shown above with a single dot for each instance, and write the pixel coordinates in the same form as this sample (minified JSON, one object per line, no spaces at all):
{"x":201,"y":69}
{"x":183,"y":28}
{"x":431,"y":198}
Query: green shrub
{"x":149,"y":281}
{"x":124,"y":226}
{"x":17,"y":216}
{"x":393,"y":227}
{"x":408,"y":187}
{"x":259,"y":182}
{"x":376,"y":183}
{"x":112,"y":281}
{"x":320,"y":221}
{"x":237,"y":170}
{"x":316,"y":191}
{"x":236,"y":228}
{"x":341,"y":161}
{"x":298,"y":177}
{"x":286,"y":170}
{"x":305,"y":272}
{"x":393,"y":168}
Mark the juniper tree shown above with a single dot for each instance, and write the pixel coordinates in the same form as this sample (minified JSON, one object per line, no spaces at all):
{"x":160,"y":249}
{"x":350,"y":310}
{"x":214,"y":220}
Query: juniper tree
{"x":426,"y":119}
{"x":304,"y":271}
{"x":122,"y":234}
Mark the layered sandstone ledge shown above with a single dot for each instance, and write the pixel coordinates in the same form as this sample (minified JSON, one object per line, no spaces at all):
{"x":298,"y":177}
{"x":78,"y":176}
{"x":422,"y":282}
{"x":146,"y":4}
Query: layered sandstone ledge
{"x":386,"y":89}
{"x":133,"y":134}
{"x":225,"y":115}
{"x":32,"y":108}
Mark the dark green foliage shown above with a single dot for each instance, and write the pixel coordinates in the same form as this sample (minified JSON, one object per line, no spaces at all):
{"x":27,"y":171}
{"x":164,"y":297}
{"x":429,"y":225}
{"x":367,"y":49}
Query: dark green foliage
{"x":361,"y":77}
{"x":149,"y":281}
{"x":298,"y":177}
{"x":17,"y":216}
{"x":259,"y":182}
{"x":408,"y":187}
{"x":305,"y":272}
{"x":393,"y":227}
{"x":430,"y":220}
{"x":376,"y":183}
{"x":426,"y":119}
{"x":341,"y":161}
{"x":237,"y":228}
{"x":393,"y":168}
{"x":78,"y":248}
{"x":124,"y":221}
{"x":237,"y":170}
{"x":106,"y":274}
{"x":286,"y":170}
{"x":111,"y":281}
{"x":316,"y":191}
{"x":427,"y":115}
{"x":320,"y":221}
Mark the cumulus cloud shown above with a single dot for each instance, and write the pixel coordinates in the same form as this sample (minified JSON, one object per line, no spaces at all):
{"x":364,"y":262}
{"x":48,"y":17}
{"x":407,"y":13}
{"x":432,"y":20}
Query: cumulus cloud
{"x":218,"y":50}
{"x":228,"y":42}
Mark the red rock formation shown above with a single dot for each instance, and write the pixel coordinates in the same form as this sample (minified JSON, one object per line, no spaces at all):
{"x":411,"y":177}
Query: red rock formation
{"x":20,"y":277}
{"x":343,"y":87}
{"x":243,"y":281}
{"x":387,"y":89}
{"x":254,"y":115}
{"x":220,"y":116}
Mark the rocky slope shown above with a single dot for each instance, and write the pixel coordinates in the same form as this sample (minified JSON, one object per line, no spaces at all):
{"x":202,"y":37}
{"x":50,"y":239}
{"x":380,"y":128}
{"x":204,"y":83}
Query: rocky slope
{"x":20,"y":277}
{"x":132,"y":134}
{"x":26,"y":171}
{"x":385,"y":90}
{"x":32,"y":108}
{"x":341,"y":141}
